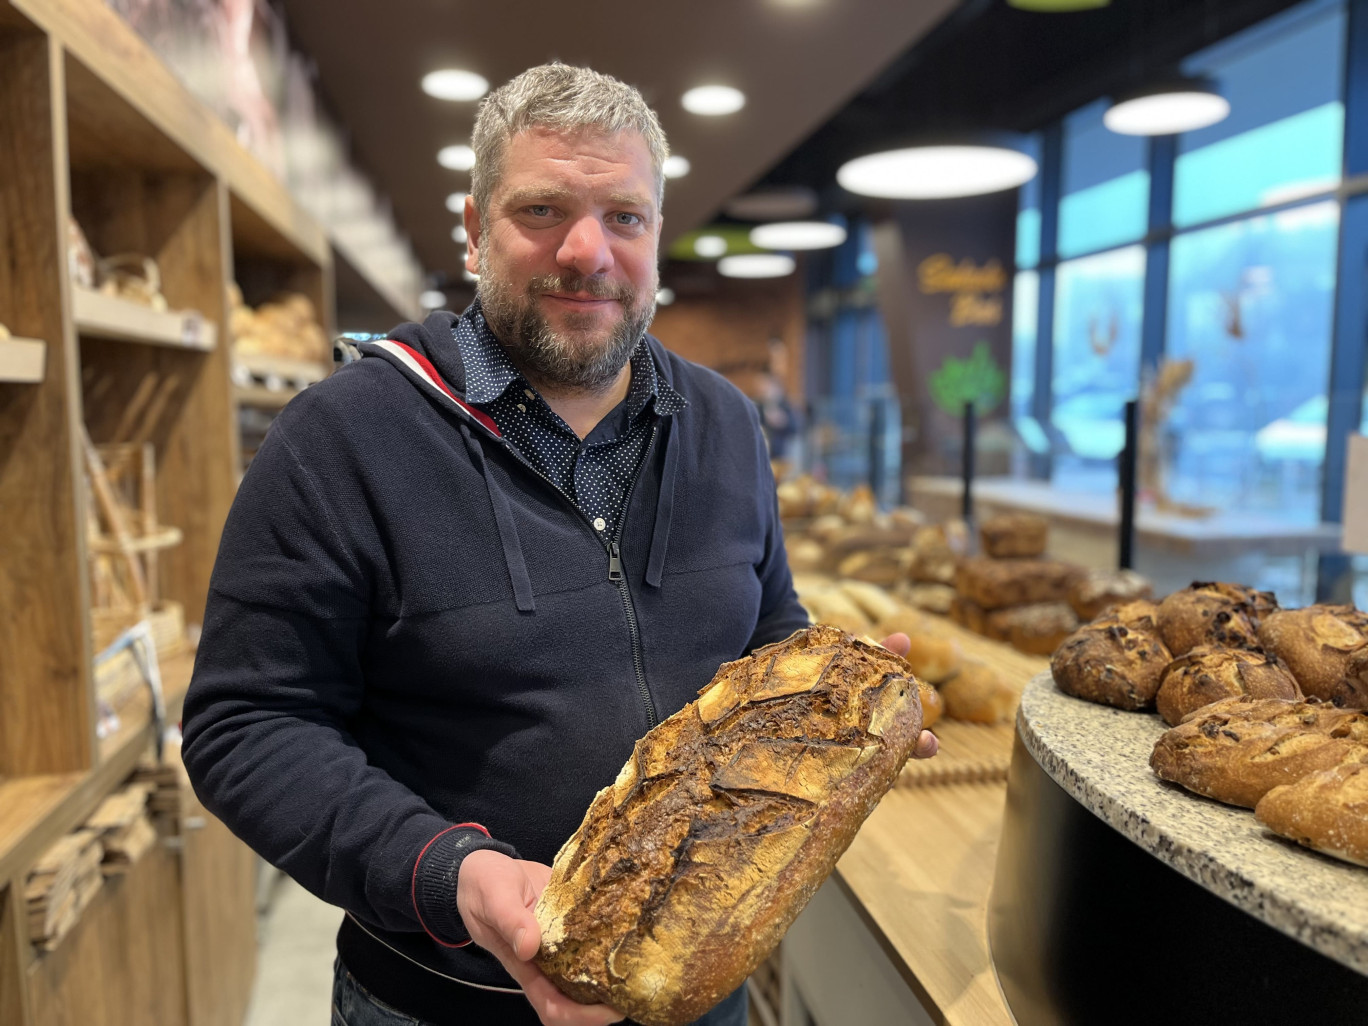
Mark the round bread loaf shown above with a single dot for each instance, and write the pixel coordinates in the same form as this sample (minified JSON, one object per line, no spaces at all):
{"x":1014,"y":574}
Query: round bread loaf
{"x":1099,"y":590}
{"x":1036,"y":629}
{"x":1112,"y":661}
{"x":1213,"y":613}
{"x":1208,"y":674}
{"x":1139,"y":615}
{"x":1010,"y":535}
{"x":689,"y":868}
{"x":1317,"y":643}
{"x":978,"y":694}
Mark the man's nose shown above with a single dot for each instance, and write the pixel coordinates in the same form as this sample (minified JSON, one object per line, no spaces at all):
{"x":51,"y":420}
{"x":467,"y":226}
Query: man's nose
{"x":586,"y":248}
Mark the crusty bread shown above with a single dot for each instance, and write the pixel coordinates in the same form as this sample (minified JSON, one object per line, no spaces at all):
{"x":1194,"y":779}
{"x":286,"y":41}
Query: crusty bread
{"x":1208,"y":674}
{"x":1324,"y":811}
{"x":1213,"y":613}
{"x":1014,"y":534}
{"x":1036,"y":629}
{"x":998,"y":583}
{"x":1112,"y":662}
{"x":978,"y":694}
{"x":689,"y":868}
{"x":1239,"y":749}
{"x":1140,"y":615}
{"x":933,"y":556}
{"x":933,"y":705}
{"x":1317,"y":643}
{"x":1096,"y":591}
{"x":876,"y":603}
{"x":968,"y":614}
{"x":934,"y":659}
{"x":934,"y":598}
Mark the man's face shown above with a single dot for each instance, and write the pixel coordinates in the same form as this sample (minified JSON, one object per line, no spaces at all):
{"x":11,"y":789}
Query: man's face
{"x":567,"y":254}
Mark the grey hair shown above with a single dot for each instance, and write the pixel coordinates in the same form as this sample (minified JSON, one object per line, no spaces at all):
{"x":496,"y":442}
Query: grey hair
{"x":564,"y":97}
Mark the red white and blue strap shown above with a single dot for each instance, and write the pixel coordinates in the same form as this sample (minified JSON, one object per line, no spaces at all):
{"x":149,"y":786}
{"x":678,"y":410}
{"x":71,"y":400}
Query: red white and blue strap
{"x":421,"y":366}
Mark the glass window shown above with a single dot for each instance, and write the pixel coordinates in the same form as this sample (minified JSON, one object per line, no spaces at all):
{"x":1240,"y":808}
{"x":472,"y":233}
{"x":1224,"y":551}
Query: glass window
{"x":1098,"y":304}
{"x":1025,"y":310}
{"x":1028,"y":214}
{"x":1283,"y":140}
{"x":1105,"y":185}
{"x":1251,"y":305}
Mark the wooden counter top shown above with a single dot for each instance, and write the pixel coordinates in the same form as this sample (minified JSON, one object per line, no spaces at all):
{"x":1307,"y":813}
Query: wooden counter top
{"x":920,"y":869}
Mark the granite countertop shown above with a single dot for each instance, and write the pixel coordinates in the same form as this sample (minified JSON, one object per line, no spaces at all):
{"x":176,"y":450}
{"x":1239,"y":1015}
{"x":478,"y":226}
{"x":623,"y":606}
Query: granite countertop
{"x":1100,"y":756}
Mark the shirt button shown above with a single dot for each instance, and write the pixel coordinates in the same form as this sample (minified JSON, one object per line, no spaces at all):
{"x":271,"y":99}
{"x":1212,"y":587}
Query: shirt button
{"x":599,"y":523}
{"x":522,"y":408}
{"x":528,"y":392}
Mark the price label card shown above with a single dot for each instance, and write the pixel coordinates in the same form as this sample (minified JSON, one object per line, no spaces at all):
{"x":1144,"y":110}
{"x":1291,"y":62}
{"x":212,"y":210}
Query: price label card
{"x":1355,"y":515}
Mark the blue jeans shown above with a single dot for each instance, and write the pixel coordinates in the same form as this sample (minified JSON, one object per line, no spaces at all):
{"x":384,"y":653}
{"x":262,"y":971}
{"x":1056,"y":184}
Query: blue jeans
{"x":353,"y":1005}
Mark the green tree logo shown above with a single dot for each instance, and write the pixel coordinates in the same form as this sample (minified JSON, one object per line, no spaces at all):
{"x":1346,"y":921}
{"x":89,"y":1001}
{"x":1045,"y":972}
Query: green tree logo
{"x":978,"y":380}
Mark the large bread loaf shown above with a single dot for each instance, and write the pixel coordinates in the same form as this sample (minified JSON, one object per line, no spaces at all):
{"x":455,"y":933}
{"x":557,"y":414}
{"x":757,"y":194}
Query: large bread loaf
{"x":687,"y":871}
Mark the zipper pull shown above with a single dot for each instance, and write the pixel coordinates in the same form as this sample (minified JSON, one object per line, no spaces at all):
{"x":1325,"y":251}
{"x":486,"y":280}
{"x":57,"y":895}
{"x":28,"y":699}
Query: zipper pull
{"x":614,"y":563}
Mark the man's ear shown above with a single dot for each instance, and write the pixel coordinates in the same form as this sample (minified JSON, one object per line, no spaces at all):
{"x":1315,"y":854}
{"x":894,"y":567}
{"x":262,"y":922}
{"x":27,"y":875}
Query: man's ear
{"x":473,"y":236}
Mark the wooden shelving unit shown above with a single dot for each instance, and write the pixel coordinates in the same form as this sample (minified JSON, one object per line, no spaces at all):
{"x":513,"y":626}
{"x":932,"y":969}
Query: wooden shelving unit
{"x":112,"y":139}
{"x":22,"y":360}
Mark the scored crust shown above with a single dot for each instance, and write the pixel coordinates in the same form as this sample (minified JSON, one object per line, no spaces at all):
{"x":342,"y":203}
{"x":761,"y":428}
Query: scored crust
{"x":1317,"y":643}
{"x":1099,"y":590}
{"x":1213,"y":613}
{"x":1323,"y":811}
{"x":1208,"y":674}
{"x":1239,"y":749}
{"x":1112,"y":660}
{"x":689,"y":868}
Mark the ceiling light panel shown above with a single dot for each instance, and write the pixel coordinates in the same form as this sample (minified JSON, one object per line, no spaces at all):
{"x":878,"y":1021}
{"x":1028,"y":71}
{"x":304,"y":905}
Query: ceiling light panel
{"x":455,"y":84}
{"x":457,"y":158}
{"x":798,"y":235}
{"x":432,"y":299}
{"x":710,"y":247}
{"x":1167,"y":112}
{"x":756,"y":265}
{"x":713,"y":100}
{"x":937,"y":172}
{"x":676,"y":166}
{"x":456,"y":202}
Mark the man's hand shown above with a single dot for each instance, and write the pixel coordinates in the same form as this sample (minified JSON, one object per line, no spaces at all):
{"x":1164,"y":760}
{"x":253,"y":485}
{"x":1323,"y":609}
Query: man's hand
{"x":495,"y":896}
{"x":927,"y":745}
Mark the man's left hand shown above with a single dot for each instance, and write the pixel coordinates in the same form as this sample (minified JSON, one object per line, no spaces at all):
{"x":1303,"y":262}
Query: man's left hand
{"x":927,"y":745}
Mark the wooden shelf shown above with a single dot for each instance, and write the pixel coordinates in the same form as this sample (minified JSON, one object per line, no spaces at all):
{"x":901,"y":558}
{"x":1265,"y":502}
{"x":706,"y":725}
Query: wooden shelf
{"x":263,"y":398}
{"x":135,"y":718}
{"x":23,"y":360}
{"x":101,"y":316}
{"x":298,"y":371}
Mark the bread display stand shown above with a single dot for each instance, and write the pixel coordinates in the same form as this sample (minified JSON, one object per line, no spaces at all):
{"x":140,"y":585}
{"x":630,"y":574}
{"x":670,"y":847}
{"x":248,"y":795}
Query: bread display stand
{"x":1120,"y":898}
{"x":101,"y":316}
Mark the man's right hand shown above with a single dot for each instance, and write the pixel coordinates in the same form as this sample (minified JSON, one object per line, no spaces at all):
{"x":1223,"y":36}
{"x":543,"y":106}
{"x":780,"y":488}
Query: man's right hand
{"x":495,"y":896}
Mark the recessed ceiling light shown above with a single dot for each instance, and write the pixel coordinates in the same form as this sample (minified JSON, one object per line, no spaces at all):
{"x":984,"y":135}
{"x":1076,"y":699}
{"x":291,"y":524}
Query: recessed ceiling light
{"x":459,"y":234}
{"x":1167,"y":109}
{"x":432,"y":299}
{"x":710,"y":247}
{"x":713,"y":100}
{"x":756,"y":265}
{"x":458,"y":158}
{"x":665,"y":296}
{"x":937,"y":172}
{"x":676,"y":166}
{"x":798,"y":235}
{"x":456,"y":202}
{"x":454,"y":84}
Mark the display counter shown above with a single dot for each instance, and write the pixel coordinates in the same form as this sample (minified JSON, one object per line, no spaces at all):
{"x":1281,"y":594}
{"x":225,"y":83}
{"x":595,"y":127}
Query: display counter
{"x":1118,"y":897}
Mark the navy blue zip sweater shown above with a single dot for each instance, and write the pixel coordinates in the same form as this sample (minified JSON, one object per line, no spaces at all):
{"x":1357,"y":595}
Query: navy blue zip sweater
{"x":410,"y":631}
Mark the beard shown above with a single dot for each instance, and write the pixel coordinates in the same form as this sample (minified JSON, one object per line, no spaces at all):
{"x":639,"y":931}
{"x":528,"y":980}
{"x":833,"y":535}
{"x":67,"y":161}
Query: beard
{"x":581,"y":356}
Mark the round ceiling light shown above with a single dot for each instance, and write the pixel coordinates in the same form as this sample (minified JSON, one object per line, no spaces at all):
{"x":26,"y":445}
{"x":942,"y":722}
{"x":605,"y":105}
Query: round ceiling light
{"x":432,"y":299}
{"x":455,"y":84}
{"x":713,"y":100}
{"x":1168,"y":109}
{"x":458,"y":234}
{"x":676,"y":166}
{"x":665,"y":296}
{"x":756,"y":265}
{"x":937,"y":172}
{"x":710,"y":247}
{"x":458,"y":158}
{"x":456,"y":202}
{"x":774,"y":203}
{"x":798,"y":235}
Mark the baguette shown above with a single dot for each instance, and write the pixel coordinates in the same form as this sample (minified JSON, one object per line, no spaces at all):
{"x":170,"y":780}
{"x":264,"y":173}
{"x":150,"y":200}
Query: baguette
{"x":687,"y":871}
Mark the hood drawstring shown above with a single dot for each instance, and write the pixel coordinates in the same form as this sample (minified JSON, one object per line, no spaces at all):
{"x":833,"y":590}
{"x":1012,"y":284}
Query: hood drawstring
{"x":508,"y":531}
{"x":660,"y":536}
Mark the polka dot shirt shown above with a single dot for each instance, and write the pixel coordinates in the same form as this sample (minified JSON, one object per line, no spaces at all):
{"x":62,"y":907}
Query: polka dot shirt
{"x":597,"y":472}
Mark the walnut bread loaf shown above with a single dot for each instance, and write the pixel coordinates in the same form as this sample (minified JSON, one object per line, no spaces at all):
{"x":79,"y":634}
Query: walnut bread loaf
{"x":1323,"y":811}
{"x":689,"y":868}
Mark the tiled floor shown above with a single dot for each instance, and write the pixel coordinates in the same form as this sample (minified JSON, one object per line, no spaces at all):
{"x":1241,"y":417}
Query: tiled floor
{"x":294,"y":959}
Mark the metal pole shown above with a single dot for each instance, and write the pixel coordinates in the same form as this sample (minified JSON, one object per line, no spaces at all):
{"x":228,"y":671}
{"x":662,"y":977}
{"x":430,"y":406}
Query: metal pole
{"x":970,"y":427}
{"x":1126,"y":475}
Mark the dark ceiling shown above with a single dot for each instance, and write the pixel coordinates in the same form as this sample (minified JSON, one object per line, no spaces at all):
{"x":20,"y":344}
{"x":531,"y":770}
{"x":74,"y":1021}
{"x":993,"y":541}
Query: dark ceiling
{"x":825,"y":80}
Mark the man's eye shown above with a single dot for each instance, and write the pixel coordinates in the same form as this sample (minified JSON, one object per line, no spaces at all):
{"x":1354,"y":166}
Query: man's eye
{"x":539,"y":210}
{"x":628,"y":219}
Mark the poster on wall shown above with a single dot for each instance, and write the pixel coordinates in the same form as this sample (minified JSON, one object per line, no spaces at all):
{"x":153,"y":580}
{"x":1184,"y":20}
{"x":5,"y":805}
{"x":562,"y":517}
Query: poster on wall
{"x":944,"y":287}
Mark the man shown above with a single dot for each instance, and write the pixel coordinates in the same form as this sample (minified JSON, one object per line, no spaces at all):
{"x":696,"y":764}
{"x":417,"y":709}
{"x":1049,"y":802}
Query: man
{"x":465,"y":574}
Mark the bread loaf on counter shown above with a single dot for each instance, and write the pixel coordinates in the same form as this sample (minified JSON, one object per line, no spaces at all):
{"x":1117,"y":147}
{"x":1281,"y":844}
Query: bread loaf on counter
{"x":1213,"y":613}
{"x":1239,"y":749}
{"x":1014,"y":534}
{"x":1096,"y":591}
{"x":997,"y":583}
{"x":1317,"y":643}
{"x":978,"y":694}
{"x":1036,"y":629}
{"x":1323,"y":811}
{"x":689,"y":868}
{"x":1208,"y":674}
{"x":1117,"y":660}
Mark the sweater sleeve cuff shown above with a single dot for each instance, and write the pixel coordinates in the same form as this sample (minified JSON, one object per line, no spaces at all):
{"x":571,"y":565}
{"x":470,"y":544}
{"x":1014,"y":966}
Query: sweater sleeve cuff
{"x":434,"y":880}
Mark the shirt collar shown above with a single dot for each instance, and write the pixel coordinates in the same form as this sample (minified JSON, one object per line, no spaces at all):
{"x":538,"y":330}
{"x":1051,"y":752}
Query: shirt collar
{"x":489,"y":371}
